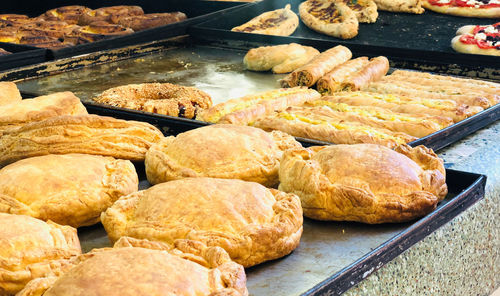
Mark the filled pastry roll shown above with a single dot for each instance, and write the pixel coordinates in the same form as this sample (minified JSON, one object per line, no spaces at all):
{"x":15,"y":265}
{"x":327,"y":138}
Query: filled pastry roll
{"x":372,"y":71}
{"x":331,"y":82}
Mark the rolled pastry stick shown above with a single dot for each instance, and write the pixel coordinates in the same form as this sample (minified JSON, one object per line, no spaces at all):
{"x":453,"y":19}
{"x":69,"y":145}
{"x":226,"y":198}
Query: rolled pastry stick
{"x":409,"y":6}
{"x":402,"y":104}
{"x":332,"y":81}
{"x":445,"y":78}
{"x":323,"y":63}
{"x":390,"y":88}
{"x":247,"y":109}
{"x":9,"y":93}
{"x":290,"y":65}
{"x":373,"y":71}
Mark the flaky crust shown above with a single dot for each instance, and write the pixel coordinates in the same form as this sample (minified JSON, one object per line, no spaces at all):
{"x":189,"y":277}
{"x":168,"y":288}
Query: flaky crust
{"x":88,"y":134}
{"x":330,"y":18}
{"x":331,"y":82}
{"x":151,"y":20}
{"x":162,"y":98}
{"x":252,"y":223}
{"x":31,"y":248}
{"x":365,"y":183}
{"x":219,"y":151}
{"x":9,"y":93}
{"x":70,"y":189}
{"x":373,"y":71}
{"x":40,"y":108}
{"x":409,"y":6}
{"x":186,"y":268}
{"x":279,"y":22}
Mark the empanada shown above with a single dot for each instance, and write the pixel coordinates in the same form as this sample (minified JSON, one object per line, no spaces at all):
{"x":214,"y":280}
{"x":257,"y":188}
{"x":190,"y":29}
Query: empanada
{"x":219,"y":151}
{"x":89,"y":134}
{"x":31,"y":248}
{"x":70,"y":189}
{"x":140,"y":267}
{"x":251,"y":222}
{"x":365,"y":182}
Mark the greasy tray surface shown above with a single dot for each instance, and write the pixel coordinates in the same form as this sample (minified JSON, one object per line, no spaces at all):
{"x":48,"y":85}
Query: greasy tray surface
{"x":333,"y":256}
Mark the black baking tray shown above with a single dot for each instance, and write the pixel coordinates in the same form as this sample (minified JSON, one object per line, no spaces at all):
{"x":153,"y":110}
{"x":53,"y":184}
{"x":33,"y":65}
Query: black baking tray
{"x":196,"y":11}
{"x":408,"y":40}
{"x":21,"y":55}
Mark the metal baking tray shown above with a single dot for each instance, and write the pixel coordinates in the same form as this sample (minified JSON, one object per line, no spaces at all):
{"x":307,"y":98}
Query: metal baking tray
{"x":408,"y":40}
{"x":334,"y":256}
{"x":196,"y":11}
{"x":218,"y":71}
{"x":21,"y":56}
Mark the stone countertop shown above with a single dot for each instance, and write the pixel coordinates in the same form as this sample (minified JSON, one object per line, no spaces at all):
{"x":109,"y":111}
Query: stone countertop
{"x":463,"y":256}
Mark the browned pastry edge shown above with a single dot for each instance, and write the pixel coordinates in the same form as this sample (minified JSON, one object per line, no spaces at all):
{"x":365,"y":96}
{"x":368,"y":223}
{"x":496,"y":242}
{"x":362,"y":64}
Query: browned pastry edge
{"x":150,"y":20}
{"x":109,"y":14}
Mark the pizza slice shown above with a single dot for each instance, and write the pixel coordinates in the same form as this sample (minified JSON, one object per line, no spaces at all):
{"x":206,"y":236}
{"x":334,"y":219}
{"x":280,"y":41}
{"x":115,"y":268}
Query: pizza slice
{"x":279,"y":22}
{"x":468,"y":8}
{"x":478,"y":40}
{"x":333,"y":18}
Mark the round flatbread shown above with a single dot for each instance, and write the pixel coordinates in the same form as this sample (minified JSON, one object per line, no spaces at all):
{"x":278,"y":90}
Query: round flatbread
{"x":468,"y":8}
{"x":483,"y":40}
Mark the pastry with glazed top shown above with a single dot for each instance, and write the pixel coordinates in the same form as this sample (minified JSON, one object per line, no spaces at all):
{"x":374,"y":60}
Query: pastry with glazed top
{"x":31,"y":249}
{"x":365,"y":182}
{"x":150,"y":20}
{"x":251,"y":222}
{"x":88,"y":134}
{"x":280,"y":22}
{"x":96,"y":31}
{"x":141,"y":267}
{"x":69,"y":14}
{"x":219,"y":151}
{"x":110,"y":14}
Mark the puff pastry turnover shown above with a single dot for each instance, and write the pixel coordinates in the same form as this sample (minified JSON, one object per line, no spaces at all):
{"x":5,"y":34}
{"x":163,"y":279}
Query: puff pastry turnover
{"x":70,"y":189}
{"x":219,"y":151}
{"x":31,"y":248}
{"x":89,"y":134}
{"x":140,"y":267}
{"x":251,"y":222}
{"x":365,"y":182}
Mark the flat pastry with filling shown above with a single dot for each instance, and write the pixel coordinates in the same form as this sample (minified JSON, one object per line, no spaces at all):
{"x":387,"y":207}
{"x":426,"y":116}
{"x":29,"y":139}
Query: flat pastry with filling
{"x":150,"y":20}
{"x":140,"y":267}
{"x":365,"y":10}
{"x":40,"y":108}
{"x":71,"y":189}
{"x":161,"y":98}
{"x":9,"y":93}
{"x":251,"y":222}
{"x":87,"y":134}
{"x":31,"y":248}
{"x":279,"y":22}
{"x":332,"y":18}
{"x":365,"y":182}
{"x":219,"y":151}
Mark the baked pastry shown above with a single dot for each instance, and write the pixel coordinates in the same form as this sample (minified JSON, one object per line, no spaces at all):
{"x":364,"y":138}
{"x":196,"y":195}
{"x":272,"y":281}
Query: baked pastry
{"x":70,"y":14}
{"x":96,"y":31}
{"x":408,"y":6}
{"x":332,"y":81}
{"x":88,"y":134}
{"x":365,"y":183}
{"x":71,"y":189}
{"x":31,"y":248}
{"x":280,"y":22}
{"x":190,"y":268}
{"x":279,"y":58}
{"x":365,"y":10}
{"x":110,"y":14}
{"x":251,"y":222}
{"x":478,"y":39}
{"x":467,"y":8}
{"x":162,"y":98}
{"x":219,"y":151}
{"x":247,"y":109}
{"x":150,"y":20}
{"x":9,"y":93}
{"x":42,"y":41}
{"x":312,"y":123}
{"x":321,"y":64}
{"x":374,"y":70}
{"x":40,"y":108}
{"x":332,"y":18}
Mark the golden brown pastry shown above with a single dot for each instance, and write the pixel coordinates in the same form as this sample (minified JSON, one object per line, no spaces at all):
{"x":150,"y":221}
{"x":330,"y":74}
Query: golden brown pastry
{"x":251,"y":222}
{"x":409,"y":6}
{"x":247,"y":109}
{"x":321,"y":64}
{"x":162,"y":98}
{"x":373,"y":71}
{"x":9,"y":93}
{"x":97,"y":31}
{"x":219,"y":151}
{"x":40,"y":108}
{"x":150,"y":20}
{"x":110,"y":14}
{"x":280,"y":59}
{"x":331,"y":82}
{"x":365,"y":182}
{"x":31,"y":248}
{"x":365,"y":10}
{"x":69,"y":14}
{"x":88,"y":134}
{"x":140,"y":267}
{"x":71,"y":189}
{"x":280,"y":22}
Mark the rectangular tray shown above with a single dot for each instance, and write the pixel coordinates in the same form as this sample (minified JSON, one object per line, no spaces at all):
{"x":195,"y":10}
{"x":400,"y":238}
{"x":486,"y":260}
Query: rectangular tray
{"x":218,"y":71}
{"x":409,"y":40}
{"x":21,"y":56}
{"x":196,"y":10}
{"x":334,"y":256}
